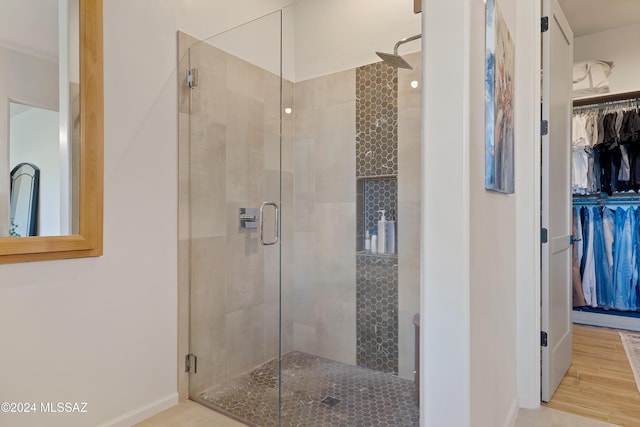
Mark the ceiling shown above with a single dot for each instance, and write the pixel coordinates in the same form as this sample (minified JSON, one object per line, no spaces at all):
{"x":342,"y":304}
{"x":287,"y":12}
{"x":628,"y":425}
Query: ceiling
{"x":30,"y":26}
{"x":593,"y":16}
{"x":20,"y":18}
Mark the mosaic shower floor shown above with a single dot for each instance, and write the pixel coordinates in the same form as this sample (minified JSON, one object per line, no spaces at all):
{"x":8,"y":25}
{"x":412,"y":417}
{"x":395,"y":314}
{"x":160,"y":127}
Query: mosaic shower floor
{"x":317,"y":392}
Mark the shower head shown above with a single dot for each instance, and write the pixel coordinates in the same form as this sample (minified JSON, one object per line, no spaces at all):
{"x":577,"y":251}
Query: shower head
{"x":395,"y":60}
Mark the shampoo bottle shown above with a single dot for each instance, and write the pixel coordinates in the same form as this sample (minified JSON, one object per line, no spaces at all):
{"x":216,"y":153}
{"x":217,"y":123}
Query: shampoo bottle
{"x":374,"y":241}
{"x":390,"y":237}
{"x":382,"y":233}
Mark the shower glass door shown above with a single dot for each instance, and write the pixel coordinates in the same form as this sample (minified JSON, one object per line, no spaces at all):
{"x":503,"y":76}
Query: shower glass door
{"x":238,"y":220}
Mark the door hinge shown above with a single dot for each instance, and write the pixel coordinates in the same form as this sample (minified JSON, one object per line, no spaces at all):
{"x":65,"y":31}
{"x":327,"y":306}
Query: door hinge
{"x":191,"y":363}
{"x":543,"y":339}
{"x":544,"y":235}
{"x":544,"y":24}
{"x":192,"y":78}
{"x":544,"y":127}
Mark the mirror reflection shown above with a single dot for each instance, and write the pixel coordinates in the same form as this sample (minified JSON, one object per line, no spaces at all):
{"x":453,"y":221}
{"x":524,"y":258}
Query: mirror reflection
{"x":25,"y":179}
{"x":39,"y":112}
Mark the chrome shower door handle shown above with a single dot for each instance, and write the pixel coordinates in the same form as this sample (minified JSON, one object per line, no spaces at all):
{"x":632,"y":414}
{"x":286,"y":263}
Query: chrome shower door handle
{"x":277,"y":233}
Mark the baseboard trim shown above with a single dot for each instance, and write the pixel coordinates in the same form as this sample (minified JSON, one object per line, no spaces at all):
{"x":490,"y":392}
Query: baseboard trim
{"x":142,"y":413}
{"x":606,"y":320}
{"x":512,"y":417}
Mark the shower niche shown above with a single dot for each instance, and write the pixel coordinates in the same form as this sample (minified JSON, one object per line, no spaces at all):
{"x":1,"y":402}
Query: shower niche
{"x":374,"y":195}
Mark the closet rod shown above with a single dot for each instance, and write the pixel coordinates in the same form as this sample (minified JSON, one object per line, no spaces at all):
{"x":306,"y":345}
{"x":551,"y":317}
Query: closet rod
{"x":626,"y":104}
{"x":606,"y":98}
{"x":602,"y":201}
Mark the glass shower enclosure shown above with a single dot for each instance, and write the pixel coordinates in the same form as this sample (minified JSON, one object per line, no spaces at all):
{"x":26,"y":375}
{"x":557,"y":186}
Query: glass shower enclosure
{"x":285,"y":163}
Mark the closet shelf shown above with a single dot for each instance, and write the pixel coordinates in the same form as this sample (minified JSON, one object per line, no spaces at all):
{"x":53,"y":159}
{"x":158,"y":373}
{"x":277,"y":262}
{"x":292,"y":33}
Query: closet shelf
{"x":616,"y":97}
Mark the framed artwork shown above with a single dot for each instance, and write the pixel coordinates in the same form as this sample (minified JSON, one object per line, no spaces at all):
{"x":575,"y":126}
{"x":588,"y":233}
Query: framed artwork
{"x":499,"y":85}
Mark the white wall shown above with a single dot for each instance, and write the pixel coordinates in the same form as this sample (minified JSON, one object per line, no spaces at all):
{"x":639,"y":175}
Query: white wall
{"x":445,"y":399}
{"x":492,"y":255}
{"x":478,"y":246}
{"x":527,"y":174}
{"x":34,"y":139}
{"x":324,"y":37}
{"x":619,"y":45}
{"x":351,"y":32}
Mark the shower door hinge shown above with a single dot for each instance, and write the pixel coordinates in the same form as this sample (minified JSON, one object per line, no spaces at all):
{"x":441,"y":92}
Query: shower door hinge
{"x":544,"y":127}
{"x":543,"y":339}
{"x":544,"y":24}
{"x":192,"y":78}
{"x":191,"y":363}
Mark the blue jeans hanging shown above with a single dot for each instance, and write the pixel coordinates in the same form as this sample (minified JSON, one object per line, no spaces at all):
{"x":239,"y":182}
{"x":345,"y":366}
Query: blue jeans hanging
{"x":624,"y":259}
{"x":604,"y":283}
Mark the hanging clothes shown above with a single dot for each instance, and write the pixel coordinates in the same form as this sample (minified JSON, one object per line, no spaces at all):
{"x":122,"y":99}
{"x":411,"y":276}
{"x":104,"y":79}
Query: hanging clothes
{"x":606,"y":149}
{"x":625,"y":169}
{"x":630,"y":138}
{"x":625,"y":263}
{"x":606,"y":258}
{"x":580,"y":156}
{"x":578,"y":293}
{"x":589,"y":268}
{"x":603,"y":273}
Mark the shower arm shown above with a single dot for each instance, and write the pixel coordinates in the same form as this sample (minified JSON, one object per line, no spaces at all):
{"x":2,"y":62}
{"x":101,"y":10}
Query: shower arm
{"x":403,"y":41}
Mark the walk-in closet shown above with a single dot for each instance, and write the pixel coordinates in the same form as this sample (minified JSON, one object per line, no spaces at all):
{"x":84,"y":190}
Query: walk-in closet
{"x":606,"y":214}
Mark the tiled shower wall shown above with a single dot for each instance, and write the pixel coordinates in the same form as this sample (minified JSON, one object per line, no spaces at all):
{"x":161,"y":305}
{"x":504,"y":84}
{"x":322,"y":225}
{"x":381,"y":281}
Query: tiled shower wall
{"x":230,"y":158}
{"x":389,"y":286}
{"x":324,"y":222}
{"x":377,"y":170}
{"x":376,"y":120}
{"x":377,"y":312}
{"x":409,"y":200}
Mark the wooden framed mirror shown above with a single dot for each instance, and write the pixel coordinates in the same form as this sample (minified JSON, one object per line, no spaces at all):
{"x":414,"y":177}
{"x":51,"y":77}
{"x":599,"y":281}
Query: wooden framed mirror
{"x":88,"y":242}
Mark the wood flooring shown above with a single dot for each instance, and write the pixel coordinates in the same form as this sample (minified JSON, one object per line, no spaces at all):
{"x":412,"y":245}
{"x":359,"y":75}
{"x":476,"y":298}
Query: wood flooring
{"x":600,"y":383}
{"x":189,"y":414}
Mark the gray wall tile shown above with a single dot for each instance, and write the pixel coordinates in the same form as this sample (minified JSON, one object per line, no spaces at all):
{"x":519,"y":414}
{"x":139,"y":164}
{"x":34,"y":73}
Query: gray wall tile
{"x":409,"y":197}
{"x":376,"y":120}
{"x":377,"y":312}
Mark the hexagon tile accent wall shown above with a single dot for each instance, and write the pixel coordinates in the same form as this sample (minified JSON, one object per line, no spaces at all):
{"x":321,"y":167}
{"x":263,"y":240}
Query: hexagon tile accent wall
{"x":376,"y":120}
{"x":376,"y":173}
{"x":377,"y":312}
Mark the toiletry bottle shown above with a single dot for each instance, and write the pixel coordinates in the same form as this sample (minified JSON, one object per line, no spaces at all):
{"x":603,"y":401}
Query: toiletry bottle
{"x":390,"y":237}
{"x":382,"y":233}
{"x":367,"y":241}
{"x":374,"y":241}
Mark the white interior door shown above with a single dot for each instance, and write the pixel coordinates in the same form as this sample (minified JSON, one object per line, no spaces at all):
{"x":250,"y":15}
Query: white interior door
{"x":557,"y":62}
